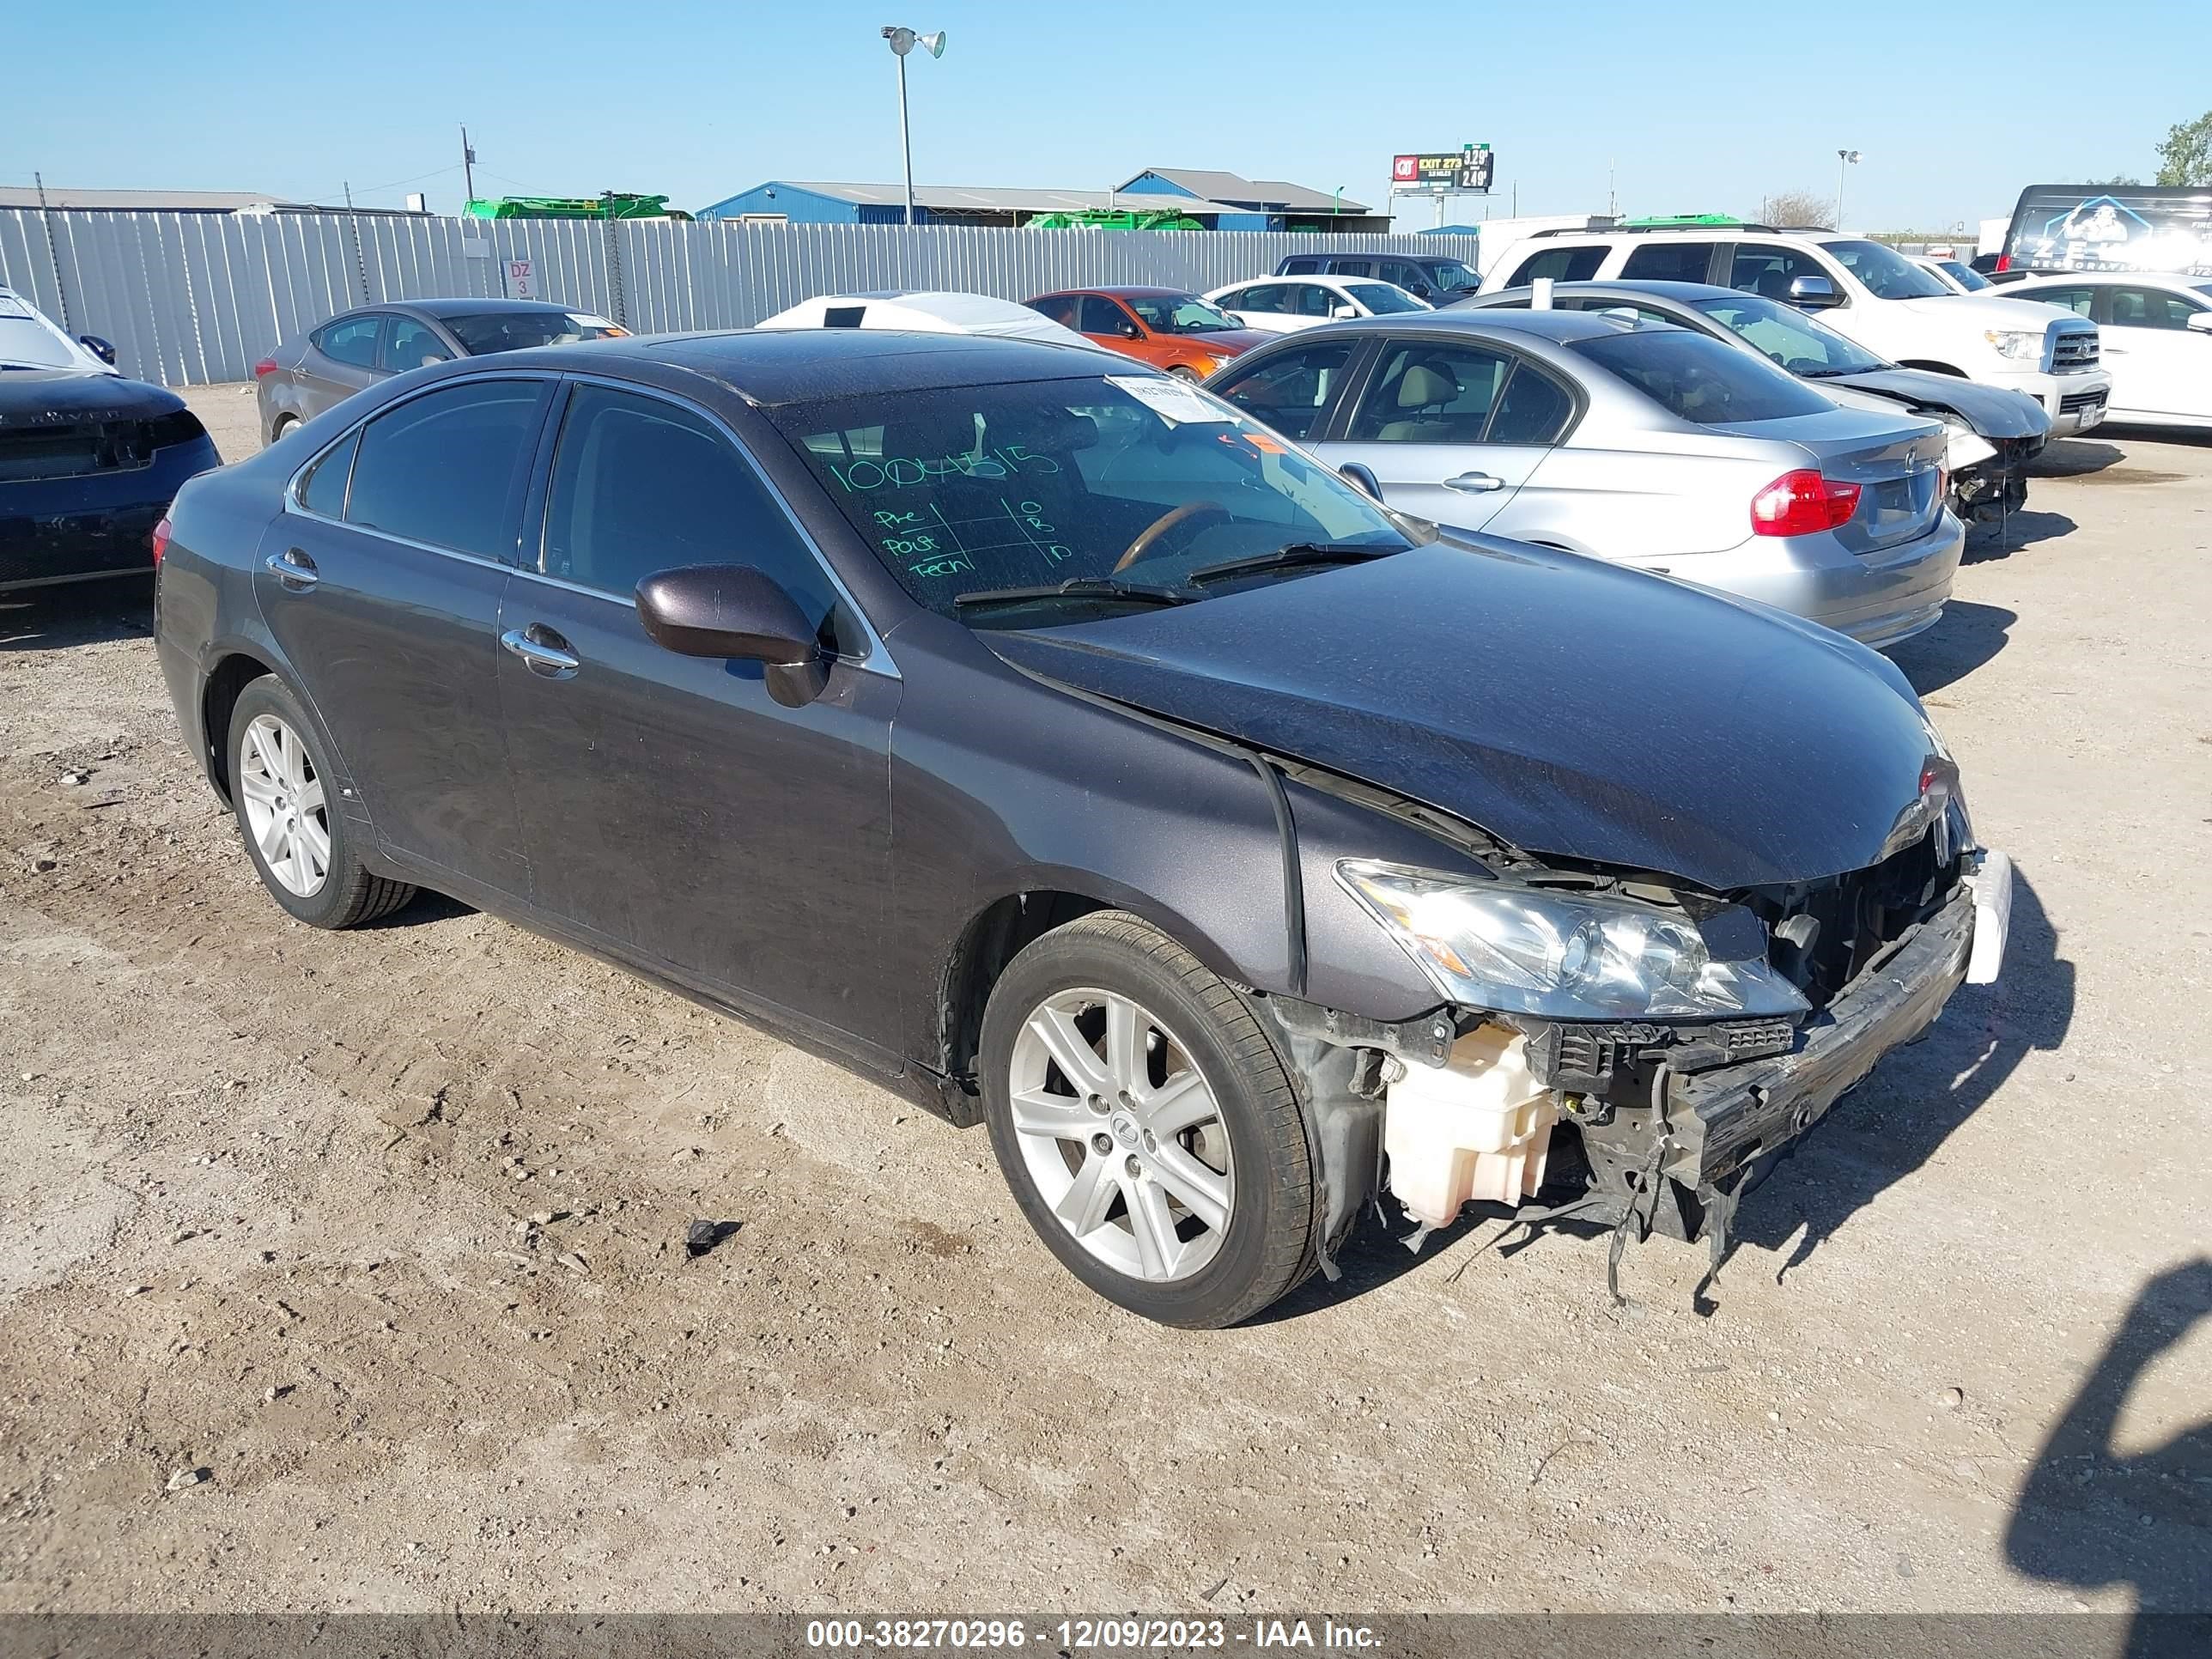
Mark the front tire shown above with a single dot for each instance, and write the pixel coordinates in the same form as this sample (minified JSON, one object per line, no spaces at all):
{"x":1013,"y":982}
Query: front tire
{"x":299,"y":842}
{"x":1183,"y":372}
{"x":1146,"y":1126}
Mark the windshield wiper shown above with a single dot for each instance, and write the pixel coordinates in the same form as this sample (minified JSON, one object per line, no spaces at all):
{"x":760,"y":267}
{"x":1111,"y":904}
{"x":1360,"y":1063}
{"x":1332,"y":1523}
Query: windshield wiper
{"x":1820,"y":374}
{"x":1075,"y":588}
{"x":1295,"y":555}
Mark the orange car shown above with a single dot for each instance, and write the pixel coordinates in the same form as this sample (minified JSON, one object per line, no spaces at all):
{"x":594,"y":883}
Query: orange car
{"x":1166,"y":327}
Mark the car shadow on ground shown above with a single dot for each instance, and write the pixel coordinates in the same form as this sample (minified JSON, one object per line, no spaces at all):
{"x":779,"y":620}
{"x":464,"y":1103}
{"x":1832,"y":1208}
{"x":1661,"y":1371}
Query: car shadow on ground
{"x":2072,"y":457}
{"x":2019,"y":532}
{"x":1968,"y":636}
{"x":2091,"y":1516}
{"x":1896,"y":1121}
{"x":77,"y":613}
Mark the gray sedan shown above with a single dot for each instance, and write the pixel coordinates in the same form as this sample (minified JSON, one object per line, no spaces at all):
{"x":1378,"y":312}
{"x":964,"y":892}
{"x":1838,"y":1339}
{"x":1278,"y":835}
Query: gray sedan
{"x":1640,"y":443}
{"x":322,"y":368}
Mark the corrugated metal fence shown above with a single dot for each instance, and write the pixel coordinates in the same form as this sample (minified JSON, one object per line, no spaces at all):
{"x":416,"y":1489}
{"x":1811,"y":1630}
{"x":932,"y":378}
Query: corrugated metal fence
{"x":192,"y":298}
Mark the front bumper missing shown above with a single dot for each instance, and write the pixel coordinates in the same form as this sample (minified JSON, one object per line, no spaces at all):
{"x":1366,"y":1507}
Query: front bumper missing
{"x":1717,"y":1123}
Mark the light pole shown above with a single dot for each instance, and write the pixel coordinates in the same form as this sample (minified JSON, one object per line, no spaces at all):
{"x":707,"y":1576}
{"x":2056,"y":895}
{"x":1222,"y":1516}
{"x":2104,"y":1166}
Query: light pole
{"x":902,"y":41}
{"x":1843,"y":158}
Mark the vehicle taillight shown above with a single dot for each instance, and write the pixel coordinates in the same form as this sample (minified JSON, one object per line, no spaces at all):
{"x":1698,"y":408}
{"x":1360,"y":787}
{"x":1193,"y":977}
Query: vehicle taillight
{"x":2004,"y":262}
{"x":266,"y":366}
{"x":1803,"y":504}
{"x":160,"y":537}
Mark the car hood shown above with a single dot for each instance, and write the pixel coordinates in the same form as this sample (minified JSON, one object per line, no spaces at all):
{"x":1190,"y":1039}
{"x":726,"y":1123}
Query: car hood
{"x":1992,"y":411}
{"x":1987,"y":311}
{"x":1572,"y":708}
{"x":1227,"y":342}
{"x":62,"y":396}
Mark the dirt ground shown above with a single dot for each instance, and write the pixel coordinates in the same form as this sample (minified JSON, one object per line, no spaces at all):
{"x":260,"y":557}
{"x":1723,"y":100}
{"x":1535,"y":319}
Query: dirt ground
{"x":347,"y":1271}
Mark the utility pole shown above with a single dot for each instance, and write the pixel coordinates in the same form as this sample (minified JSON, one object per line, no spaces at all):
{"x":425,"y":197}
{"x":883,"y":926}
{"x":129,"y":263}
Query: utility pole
{"x":1611,"y":197}
{"x":468,"y":171}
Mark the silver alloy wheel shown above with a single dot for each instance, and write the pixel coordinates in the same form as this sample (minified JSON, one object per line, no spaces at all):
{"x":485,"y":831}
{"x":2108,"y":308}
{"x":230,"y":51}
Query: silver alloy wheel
{"x":1122,"y":1134}
{"x":284,"y":809}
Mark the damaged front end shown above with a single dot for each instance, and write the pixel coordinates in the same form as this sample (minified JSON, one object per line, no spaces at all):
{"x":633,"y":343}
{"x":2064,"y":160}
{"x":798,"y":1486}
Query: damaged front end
{"x":1737,"y":1021}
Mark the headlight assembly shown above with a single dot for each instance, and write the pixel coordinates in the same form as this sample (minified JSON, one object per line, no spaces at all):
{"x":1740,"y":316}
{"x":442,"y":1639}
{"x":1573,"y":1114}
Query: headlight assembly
{"x":1520,"y":949}
{"x":2022,"y":345}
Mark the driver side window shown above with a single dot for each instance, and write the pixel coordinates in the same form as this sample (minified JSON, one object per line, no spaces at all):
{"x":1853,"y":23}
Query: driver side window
{"x":1290,"y":391}
{"x":641,"y":486}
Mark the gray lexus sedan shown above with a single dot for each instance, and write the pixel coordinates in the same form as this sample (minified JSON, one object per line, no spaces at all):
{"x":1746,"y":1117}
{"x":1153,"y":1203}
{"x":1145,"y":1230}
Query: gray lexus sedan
{"x":316,"y":370}
{"x":1642,"y":443}
{"x":1052,"y":744}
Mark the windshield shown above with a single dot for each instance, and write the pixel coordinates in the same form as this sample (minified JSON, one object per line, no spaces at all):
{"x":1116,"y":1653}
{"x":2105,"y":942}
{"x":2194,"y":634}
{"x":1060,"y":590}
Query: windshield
{"x":488,"y":331}
{"x":1966,"y":276}
{"x":1382,"y":299}
{"x":1788,"y":336}
{"x":29,"y":341}
{"x":962,"y":490}
{"x":1695,"y":378}
{"x":1886,"y":273}
{"x":1451,"y":277}
{"x":1178,"y":314}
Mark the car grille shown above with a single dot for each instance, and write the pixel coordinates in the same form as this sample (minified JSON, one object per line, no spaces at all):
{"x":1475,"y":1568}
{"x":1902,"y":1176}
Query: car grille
{"x":2073,"y":403}
{"x":2079,"y":349}
{"x":73,"y":449}
{"x":1822,"y":934}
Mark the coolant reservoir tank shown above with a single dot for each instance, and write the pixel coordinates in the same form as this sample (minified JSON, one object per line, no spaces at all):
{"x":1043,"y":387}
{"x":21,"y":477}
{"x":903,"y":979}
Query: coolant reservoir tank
{"x":1478,"y":1127}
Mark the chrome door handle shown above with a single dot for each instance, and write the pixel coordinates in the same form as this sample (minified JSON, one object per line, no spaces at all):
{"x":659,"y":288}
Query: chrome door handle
{"x":292,"y":568}
{"x":552,"y":661}
{"x":1475,"y":483}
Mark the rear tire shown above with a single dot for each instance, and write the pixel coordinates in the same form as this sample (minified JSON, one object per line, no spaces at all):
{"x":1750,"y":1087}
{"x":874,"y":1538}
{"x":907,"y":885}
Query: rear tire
{"x":283,"y":428}
{"x":299,"y":842}
{"x":1200,"y":1225}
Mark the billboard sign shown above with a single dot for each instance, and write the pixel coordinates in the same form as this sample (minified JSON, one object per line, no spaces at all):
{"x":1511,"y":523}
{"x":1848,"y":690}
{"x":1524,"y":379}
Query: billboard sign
{"x":1467,"y":168}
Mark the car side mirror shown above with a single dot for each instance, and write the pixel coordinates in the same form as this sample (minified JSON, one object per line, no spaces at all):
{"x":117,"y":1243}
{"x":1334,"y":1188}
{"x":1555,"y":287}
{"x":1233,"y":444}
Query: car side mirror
{"x":1813,"y":292}
{"x":2201,"y":321}
{"x":1361,"y":480}
{"x":1130,"y":332}
{"x":98,"y":347}
{"x":736,"y":611}
{"x":1343,"y":308}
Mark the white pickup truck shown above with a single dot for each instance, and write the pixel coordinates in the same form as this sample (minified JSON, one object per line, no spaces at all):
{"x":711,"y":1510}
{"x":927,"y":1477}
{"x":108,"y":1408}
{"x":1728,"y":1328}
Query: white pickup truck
{"x":1861,"y":288}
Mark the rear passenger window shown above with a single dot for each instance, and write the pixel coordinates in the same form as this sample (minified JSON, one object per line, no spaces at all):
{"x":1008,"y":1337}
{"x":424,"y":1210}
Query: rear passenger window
{"x":2075,"y":300}
{"x":322,"y":490}
{"x":1060,"y":307}
{"x":351,"y":340}
{"x":1560,"y":264}
{"x":1430,"y":394}
{"x":1669,"y":262}
{"x":1352,"y":267}
{"x":446,"y":468}
{"x":1103,"y":316}
{"x":639,"y":485}
{"x":1534,"y":410}
{"x":1290,"y":391}
{"x":1301,"y":265}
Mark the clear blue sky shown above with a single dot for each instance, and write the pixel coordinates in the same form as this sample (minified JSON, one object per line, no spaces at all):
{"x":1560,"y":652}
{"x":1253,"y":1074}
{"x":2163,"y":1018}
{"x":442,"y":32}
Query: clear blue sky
{"x":1954,"y":106}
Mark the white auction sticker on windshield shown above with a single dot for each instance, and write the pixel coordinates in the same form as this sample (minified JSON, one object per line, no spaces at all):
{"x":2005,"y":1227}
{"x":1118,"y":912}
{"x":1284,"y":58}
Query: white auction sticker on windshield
{"x":1170,"y":399}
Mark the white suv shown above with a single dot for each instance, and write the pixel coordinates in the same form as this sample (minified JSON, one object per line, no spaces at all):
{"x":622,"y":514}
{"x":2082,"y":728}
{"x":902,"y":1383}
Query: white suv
{"x":1861,"y":288}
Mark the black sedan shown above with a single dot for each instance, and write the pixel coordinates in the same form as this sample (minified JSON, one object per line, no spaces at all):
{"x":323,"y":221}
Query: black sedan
{"x":1048,"y":742}
{"x":88,"y":460}
{"x":1994,"y":433}
{"x":322,"y":368}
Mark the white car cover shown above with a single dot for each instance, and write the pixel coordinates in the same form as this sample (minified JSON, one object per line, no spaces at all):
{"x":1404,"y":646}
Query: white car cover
{"x":925,"y":311}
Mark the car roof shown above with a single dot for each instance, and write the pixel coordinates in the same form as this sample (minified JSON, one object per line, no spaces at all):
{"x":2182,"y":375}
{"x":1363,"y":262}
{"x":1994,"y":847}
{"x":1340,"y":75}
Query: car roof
{"x":2180,"y":279}
{"x":472,"y":306}
{"x":1121,"y":291}
{"x":772,"y":366}
{"x":1564,"y":326}
{"x":1683,"y":293}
